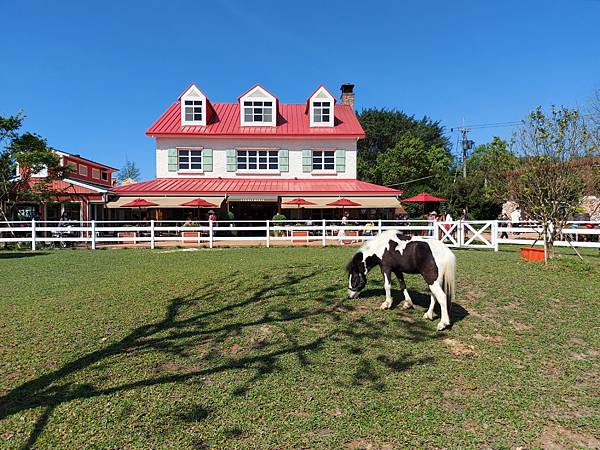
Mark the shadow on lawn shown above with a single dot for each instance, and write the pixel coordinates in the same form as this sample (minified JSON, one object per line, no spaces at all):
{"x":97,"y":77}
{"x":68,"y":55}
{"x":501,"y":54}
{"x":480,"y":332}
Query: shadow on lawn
{"x":183,"y":329}
{"x":8,"y":254}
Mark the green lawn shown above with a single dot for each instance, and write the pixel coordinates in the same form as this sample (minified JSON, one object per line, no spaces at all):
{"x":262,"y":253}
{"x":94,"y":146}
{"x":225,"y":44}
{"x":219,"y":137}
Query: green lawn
{"x":259,"y":348}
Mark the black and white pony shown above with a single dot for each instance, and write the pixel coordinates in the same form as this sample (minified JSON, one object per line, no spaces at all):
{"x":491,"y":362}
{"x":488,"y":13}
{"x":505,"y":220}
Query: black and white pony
{"x":398,"y":254}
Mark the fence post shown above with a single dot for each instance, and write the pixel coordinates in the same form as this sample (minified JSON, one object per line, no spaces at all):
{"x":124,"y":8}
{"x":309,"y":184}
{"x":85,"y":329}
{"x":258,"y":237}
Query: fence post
{"x":33,"y":236}
{"x":324,"y":232}
{"x":461,"y":234}
{"x":379,"y":226}
{"x":93,"y":235}
{"x":495,"y":235}
{"x":268,"y":233}
{"x":152,"y":234}
{"x":210,"y":234}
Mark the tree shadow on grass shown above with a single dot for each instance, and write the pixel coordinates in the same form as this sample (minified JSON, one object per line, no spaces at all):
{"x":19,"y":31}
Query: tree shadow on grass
{"x":183,"y":328}
{"x":16,"y":255}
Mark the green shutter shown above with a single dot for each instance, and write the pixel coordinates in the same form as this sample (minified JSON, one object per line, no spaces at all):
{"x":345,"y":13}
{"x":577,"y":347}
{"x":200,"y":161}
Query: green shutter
{"x":306,"y":161}
{"x":231,"y":162}
{"x":340,"y":160}
{"x":284,"y":161}
{"x":207,"y":160}
{"x":172,"y":160}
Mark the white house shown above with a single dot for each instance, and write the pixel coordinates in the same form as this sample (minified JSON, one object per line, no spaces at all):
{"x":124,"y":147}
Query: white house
{"x":256,"y":154}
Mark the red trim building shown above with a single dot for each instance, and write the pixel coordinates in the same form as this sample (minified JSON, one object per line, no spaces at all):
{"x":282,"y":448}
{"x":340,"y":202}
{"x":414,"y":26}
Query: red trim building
{"x":251,"y":156}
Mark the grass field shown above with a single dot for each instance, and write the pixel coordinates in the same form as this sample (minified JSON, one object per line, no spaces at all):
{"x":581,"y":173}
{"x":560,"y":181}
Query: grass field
{"x":258,"y":348}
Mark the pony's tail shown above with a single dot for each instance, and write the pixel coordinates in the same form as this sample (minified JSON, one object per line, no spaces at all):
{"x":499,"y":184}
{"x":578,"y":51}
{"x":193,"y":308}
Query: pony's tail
{"x":449,"y":277}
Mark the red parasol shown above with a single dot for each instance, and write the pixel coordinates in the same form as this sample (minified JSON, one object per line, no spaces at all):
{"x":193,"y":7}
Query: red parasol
{"x":343,"y":202}
{"x":299,"y":202}
{"x":199,"y":203}
{"x":139,"y":203}
{"x":424,"y":197}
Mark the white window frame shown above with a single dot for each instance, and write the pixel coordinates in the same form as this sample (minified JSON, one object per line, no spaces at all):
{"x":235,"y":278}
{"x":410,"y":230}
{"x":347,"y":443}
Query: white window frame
{"x":322,"y":169}
{"x":193,"y":94}
{"x":190,"y":170}
{"x":258,"y":94}
{"x":272,"y":153}
{"x":254,"y":106}
{"x":82,"y":170}
{"x":318,"y":97}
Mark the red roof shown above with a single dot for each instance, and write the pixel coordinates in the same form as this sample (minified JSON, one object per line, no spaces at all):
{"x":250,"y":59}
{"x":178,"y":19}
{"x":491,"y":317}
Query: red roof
{"x":292,"y":121}
{"x":281,"y":186}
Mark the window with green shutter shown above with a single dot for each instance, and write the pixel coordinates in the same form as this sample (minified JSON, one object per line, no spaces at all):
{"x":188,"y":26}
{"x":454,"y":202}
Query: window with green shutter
{"x":340,"y":160}
{"x":284,"y":161}
{"x":306,"y":161}
{"x":207,"y":160}
{"x":231,"y":161}
{"x":172,"y":160}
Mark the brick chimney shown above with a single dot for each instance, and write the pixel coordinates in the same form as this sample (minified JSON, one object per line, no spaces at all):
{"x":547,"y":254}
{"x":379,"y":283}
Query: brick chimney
{"x":347,"y":97}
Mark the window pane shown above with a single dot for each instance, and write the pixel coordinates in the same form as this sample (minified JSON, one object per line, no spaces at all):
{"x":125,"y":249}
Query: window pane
{"x":196,"y":166}
{"x":252,"y":153}
{"x":262,"y":166}
{"x":189,"y":116}
{"x":252,"y":165}
{"x":247,"y":103}
{"x":268,"y":117}
{"x":268,"y":103}
{"x":183,"y":152}
{"x":188,"y":102}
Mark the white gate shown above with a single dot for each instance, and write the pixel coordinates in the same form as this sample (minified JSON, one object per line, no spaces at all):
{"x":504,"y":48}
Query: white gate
{"x":449,"y":233}
{"x":478,"y":234}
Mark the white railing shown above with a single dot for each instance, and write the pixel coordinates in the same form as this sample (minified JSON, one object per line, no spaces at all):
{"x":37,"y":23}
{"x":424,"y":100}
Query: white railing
{"x":460,"y":234}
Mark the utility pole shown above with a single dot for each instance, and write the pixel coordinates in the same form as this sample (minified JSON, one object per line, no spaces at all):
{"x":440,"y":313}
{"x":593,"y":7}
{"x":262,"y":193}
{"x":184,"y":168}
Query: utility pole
{"x":467,"y":145}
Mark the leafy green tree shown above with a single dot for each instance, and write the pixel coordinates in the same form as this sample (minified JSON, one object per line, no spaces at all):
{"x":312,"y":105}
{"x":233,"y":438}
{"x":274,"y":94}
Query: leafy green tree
{"x":384,"y":129}
{"x":130,"y":171}
{"x":21,"y":156}
{"x":555,"y":150}
{"x":485,"y":189}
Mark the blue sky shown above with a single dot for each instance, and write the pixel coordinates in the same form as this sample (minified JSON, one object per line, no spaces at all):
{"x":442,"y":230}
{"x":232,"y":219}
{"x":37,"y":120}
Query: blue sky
{"x":92,"y":76}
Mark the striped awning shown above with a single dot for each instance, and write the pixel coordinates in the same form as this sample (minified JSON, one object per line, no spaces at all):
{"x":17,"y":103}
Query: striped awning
{"x":364,"y":202}
{"x":168,"y":202}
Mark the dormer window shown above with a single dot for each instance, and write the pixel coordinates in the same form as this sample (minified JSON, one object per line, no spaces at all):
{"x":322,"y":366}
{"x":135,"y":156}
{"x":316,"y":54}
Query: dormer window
{"x":258,"y":112}
{"x":320,"y":108}
{"x":321,"y":112}
{"x":194,"y":107}
{"x":193,"y":110}
{"x":258,"y":107}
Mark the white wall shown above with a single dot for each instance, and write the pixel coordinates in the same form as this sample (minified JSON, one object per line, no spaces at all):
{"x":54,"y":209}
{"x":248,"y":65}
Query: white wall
{"x":220,"y":147}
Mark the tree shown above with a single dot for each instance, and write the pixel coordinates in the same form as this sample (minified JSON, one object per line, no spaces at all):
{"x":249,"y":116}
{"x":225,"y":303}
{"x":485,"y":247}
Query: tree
{"x":484,"y":189}
{"x":130,"y":171}
{"x":399,"y":148}
{"x":554,"y":149}
{"x":21,"y":156}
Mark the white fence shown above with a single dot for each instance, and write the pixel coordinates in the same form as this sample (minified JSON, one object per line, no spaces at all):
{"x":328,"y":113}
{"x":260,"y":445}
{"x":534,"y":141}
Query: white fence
{"x":460,"y":234}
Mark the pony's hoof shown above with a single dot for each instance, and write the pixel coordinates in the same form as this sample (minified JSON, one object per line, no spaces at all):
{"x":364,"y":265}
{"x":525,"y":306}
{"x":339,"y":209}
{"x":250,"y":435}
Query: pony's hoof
{"x":442,"y":326}
{"x":407,"y":305}
{"x":427,"y":316}
{"x":385,"y":305}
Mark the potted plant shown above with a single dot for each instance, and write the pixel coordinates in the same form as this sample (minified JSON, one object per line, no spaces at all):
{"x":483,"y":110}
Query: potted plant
{"x":299,"y":236}
{"x":190,"y":237}
{"x":127,"y":234}
{"x":278,"y":222}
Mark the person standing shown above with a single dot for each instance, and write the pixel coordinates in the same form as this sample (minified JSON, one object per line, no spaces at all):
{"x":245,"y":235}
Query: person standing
{"x":515,"y":218}
{"x":212,"y":220}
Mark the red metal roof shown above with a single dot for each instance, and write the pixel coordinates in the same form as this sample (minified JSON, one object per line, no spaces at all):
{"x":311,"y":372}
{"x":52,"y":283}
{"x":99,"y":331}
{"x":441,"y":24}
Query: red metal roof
{"x":292,"y":121}
{"x":278,"y":186}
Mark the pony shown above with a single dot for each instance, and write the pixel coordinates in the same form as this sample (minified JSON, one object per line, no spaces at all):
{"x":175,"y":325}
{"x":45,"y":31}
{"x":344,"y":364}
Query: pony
{"x":397,"y":253}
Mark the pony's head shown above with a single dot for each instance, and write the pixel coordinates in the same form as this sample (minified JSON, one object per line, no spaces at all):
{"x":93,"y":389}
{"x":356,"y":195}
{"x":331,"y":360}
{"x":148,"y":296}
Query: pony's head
{"x":357,"y":275}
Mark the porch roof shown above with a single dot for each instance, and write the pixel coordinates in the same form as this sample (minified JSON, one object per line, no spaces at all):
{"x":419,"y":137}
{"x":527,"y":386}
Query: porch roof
{"x":274,"y":186}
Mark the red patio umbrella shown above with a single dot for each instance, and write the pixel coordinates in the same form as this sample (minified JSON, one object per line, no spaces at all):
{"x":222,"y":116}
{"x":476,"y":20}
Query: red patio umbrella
{"x":199,"y":203}
{"x":299,"y":202}
{"x":139,"y":203}
{"x":343,"y":202}
{"x":424,"y":197}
